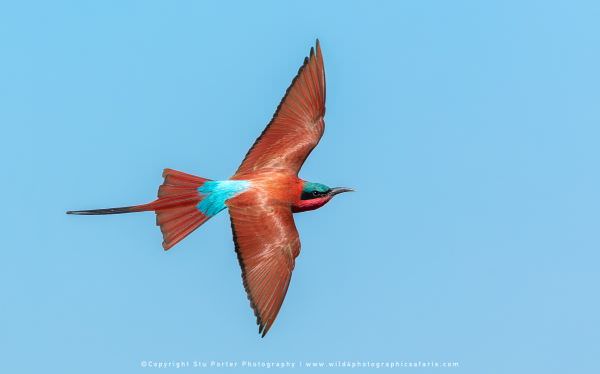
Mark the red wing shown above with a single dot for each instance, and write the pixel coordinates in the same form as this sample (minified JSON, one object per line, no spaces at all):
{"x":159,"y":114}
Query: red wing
{"x":266,"y":243}
{"x":296,"y":126}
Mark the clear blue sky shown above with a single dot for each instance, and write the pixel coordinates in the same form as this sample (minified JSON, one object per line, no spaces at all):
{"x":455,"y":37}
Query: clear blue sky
{"x":469,"y":129}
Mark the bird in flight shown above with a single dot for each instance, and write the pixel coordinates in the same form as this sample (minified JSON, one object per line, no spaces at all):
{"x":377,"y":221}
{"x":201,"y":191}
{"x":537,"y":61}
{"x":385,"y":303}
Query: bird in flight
{"x":261,"y":196}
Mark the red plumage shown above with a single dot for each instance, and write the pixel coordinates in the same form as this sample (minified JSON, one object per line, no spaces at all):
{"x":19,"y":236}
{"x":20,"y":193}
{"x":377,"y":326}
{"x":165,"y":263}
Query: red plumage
{"x":266,"y":240}
{"x":179,"y":192}
{"x":265,"y":235}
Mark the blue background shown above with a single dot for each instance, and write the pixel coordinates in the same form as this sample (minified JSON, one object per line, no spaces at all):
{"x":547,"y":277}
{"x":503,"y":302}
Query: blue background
{"x":469,"y":130}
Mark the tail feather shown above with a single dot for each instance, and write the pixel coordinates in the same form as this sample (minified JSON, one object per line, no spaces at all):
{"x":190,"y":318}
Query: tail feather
{"x":174,"y":231}
{"x":171,"y":215}
{"x":120,"y":210}
{"x":176,"y":208}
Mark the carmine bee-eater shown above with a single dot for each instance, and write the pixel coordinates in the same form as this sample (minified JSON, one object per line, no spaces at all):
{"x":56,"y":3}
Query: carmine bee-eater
{"x":261,"y":196}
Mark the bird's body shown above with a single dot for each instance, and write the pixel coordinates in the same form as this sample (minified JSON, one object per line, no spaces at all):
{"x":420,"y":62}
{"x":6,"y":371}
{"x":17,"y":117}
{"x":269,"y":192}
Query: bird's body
{"x":260,"y":197}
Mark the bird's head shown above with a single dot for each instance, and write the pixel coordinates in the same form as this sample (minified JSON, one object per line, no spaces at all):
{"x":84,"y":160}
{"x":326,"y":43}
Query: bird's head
{"x":315,"y":195}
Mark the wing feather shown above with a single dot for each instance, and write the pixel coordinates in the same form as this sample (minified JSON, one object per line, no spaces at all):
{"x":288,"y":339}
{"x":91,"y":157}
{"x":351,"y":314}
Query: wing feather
{"x":297,"y":125}
{"x":266,"y":243}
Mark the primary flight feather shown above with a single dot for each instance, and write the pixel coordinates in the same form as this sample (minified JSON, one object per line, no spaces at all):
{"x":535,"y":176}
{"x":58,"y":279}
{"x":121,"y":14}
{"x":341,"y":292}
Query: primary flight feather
{"x":261,"y":196}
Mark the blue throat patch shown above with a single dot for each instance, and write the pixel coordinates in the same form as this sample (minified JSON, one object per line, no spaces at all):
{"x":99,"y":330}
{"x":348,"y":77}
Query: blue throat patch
{"x":216,"y":193}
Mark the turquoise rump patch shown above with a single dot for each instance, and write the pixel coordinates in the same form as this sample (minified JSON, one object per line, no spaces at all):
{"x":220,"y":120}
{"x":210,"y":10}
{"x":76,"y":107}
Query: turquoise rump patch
{"x":216,"y":193}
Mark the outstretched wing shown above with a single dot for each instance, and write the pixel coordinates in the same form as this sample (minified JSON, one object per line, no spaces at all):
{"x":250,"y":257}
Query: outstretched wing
{"x":266,"y":243}
{"x":296,"y":126}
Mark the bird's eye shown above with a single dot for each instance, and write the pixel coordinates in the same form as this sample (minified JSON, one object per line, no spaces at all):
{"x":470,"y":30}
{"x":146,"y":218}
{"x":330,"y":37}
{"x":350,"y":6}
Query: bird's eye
{"x":315,"y":193}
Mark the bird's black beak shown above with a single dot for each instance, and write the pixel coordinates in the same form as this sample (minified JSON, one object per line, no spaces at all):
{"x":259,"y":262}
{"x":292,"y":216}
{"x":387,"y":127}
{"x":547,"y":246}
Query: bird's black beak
{"x":337,"y":190}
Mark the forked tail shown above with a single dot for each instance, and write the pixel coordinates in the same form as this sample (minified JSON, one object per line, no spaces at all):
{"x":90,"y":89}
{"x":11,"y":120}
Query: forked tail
{"x":176,"y":208}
